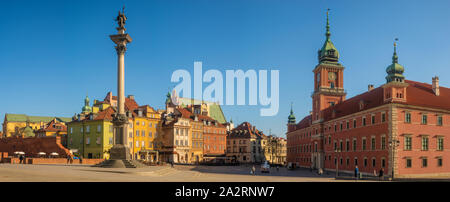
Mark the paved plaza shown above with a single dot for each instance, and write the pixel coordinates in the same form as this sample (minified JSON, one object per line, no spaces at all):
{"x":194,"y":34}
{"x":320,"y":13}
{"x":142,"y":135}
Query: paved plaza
{"x":183,"y":173}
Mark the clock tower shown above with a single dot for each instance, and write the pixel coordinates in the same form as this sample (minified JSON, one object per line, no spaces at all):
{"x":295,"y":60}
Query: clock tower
{"x":328,"y":78}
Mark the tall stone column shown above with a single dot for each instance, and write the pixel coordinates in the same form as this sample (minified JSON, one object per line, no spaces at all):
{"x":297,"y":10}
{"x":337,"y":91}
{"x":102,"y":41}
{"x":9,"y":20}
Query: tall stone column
{"x":120,"y":150}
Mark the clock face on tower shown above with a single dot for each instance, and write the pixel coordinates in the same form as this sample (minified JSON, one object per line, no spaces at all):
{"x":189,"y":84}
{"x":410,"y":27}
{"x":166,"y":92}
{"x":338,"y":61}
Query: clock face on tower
{"x":331,"y":76}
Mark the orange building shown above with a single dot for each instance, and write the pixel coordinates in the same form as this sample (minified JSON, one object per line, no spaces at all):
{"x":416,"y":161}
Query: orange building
{"x":214,"y":140}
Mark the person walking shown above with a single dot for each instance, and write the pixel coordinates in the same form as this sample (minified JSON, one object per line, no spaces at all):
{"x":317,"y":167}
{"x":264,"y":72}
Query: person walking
{"x":20,"y":159}
{"x":81,"y":160}
{"x":374,"y":172}
{"x":381,"y":173}
{"x":68,"y":159}
{"x":254,"y":170}
{"x":171,"y":164}
{"x":356,"y":172}
{"x":278,"y":168}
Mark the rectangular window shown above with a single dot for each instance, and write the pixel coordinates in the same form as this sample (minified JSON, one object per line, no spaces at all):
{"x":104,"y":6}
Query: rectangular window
{"x":348,"y":145}
{"x":424,"y":162}
{"x":142,"y":144}
{"x":130,"y":134}
{"x":383,"y":117}
{"x":383,"y":142}
{"x":110,"y":128}
{"x":407,"y":117}
{"x":348,"y":125}
{"x":71,"y":130}
{"x":439,"y":162}
{"x":424,"y":143}
{"x":439,"y":120}
{"x":340,"y":146}
{"x":341,"y":126}
{"x":364,"y":144}
{"x":408,"y":163}
{"x":408,"y":143}
{"x":137,"y":133}
{"x":98,"y":140}
{"x":87,"y":129}
{"x":373,"y":119}
{"x":137,"y":143}
{"x":373,"y":143}
{"x":110,"y":140}
{"x":364,"y":121}
{"x":440,"y":143}
{"x":354,"y":144}
{"x":143,"y":133}
{"x":131,"y":145}
{"x":424,"y":119}
{"x":99,"y":128}
{"x":88,"y":140}
{"x":150,"y":134}
{"x":354,"y":123}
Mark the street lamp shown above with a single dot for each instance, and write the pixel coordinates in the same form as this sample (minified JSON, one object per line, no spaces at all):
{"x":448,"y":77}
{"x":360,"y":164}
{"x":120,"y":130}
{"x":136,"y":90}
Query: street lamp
{"x":393,"y":144}
{"x":337,"y":151}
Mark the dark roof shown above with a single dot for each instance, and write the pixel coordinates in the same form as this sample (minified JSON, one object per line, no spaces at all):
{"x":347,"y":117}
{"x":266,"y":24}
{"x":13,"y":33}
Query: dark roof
{"x":245,"y":130}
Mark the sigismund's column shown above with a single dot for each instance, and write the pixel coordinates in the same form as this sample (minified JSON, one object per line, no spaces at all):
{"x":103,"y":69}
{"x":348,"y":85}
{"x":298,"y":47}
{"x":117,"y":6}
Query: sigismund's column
{"x":120,"y":150}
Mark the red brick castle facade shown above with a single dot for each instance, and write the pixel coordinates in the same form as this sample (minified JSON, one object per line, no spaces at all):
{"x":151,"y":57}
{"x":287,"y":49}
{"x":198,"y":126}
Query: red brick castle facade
{"x":402,"y":126}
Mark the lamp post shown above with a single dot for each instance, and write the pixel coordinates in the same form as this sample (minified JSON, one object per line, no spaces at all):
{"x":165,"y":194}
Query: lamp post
{"x":393,"y":144}
{"x":337,"y":151}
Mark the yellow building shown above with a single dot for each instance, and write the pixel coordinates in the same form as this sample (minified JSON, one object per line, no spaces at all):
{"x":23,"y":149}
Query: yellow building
{"x":145,"y":129}
{"x":275,"y":150}
{"x":14,"y":124}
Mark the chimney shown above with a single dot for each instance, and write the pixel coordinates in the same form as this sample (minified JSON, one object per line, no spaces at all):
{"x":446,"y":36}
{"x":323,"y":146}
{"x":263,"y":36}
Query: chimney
{"x":370,"y":87}
{"x":435,"y":85}
{"x":131,"y":97}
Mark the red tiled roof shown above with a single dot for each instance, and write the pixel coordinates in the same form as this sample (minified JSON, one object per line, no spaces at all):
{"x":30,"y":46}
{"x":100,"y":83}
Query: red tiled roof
{"x":105,"y":114}
{"x":421,"y":94}
{"x":130,"y":104}
{"x":247,"y":131}
{"x":370,"y":99}
{"x":186,"y":113}
{"x":304,"y":123}
{"x":51,"y":127}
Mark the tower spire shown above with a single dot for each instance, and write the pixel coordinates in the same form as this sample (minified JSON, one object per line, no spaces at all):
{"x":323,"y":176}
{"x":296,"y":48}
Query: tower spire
{"x":327,"y":34}
{"x":291,"y":117}
{"x":394,"y":56}
{"x":395,"y":70}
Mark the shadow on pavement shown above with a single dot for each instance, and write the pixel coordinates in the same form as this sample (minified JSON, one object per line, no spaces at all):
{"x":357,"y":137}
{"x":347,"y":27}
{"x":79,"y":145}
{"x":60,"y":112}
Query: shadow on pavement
{"x":245,"y":170}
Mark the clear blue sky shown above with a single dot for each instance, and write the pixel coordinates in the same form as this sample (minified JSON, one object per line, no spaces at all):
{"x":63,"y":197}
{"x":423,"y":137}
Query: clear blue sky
{"x":54,"y":52}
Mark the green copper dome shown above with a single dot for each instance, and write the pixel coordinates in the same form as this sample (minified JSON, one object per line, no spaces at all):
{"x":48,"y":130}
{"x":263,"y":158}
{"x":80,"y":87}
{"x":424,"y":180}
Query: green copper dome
{"x":86,"y":108}
{"x":395,"y":70}
{"x":291,"y":117}
{"x":328,"y":53}
{"x":168,"y":98}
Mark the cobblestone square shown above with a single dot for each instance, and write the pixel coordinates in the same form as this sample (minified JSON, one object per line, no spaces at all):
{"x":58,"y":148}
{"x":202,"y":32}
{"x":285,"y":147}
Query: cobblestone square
{"x":180,"y":173}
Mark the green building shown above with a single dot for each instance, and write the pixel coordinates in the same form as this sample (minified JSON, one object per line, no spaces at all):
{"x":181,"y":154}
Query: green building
{"x":91,"y":135}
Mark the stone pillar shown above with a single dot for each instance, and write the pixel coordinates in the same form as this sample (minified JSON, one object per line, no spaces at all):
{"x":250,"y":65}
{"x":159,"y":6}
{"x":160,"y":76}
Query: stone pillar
{"x":120,"y":150}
